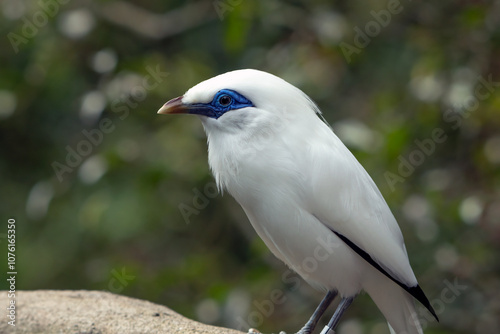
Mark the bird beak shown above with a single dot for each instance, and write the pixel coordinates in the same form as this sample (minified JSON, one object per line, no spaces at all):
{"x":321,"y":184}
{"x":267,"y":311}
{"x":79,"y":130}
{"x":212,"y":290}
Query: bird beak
{"x":174,"y":106}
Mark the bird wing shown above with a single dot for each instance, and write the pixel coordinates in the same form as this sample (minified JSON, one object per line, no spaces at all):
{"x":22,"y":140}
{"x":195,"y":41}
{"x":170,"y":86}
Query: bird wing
{"x":345,"y":198}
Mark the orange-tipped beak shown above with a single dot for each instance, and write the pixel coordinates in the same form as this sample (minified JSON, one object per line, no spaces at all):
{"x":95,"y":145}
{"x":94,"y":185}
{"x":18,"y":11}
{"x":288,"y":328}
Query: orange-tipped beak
{"x":174,"y":106}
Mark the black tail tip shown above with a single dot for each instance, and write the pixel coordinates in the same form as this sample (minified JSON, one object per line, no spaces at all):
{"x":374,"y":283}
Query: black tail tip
{"x":418,"y":293}
{"x":431,"y":309}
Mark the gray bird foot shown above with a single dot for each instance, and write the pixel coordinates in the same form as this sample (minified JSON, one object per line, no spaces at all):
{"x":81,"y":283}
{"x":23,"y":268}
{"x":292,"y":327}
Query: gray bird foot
{"x":255,"y":331}
{"x":305,"y":331}
{"x":302,"y":331}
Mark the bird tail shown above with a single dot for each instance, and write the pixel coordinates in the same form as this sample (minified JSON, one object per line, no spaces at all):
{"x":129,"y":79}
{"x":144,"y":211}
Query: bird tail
{"x":396,"y":304}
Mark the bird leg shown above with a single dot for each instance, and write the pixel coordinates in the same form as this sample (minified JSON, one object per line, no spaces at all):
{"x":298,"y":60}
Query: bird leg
{"x":334,"y":321}
{"x":311,"y":324}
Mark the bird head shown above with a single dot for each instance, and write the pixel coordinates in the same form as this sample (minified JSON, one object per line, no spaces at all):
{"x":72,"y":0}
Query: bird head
{"x":243,"y":102}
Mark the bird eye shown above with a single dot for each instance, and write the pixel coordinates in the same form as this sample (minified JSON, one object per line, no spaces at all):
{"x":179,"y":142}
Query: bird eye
{"x":225,"y":100}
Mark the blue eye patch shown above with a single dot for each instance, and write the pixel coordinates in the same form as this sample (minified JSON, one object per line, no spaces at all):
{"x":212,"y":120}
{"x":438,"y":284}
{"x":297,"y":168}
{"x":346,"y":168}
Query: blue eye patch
{"x":224,"y":101}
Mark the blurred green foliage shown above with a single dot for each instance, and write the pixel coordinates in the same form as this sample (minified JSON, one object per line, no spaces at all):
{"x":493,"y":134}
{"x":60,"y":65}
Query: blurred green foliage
{"x":112,"y":221}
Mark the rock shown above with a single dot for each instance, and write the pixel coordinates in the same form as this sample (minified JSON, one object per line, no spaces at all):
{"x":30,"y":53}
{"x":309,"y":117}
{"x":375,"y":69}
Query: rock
{"x":94,"y":312}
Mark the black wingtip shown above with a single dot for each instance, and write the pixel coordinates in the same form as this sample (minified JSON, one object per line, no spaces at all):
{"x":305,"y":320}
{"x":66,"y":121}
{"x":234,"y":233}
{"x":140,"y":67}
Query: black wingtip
{"x":418,"y":293}
{"x":415,"y":291}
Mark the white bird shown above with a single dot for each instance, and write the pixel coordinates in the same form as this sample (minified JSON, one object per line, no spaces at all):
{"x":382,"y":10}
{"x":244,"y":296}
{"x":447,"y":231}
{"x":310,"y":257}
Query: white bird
{"x":306,"y":195}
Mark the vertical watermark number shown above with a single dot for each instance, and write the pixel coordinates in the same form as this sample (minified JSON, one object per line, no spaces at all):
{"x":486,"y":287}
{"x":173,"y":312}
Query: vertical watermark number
{"x":11,"y":270}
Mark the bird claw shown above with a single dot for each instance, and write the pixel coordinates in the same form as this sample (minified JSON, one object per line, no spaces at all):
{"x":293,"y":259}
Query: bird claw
{"x":255,"y":331}
{"x":302,"y":331}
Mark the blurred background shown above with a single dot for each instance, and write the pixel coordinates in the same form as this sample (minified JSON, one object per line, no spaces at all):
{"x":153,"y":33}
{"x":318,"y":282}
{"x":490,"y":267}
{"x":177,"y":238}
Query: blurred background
{"x":107,"y":195}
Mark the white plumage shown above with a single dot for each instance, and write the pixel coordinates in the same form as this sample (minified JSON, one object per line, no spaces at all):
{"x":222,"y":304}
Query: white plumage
{"x":306,"y":195}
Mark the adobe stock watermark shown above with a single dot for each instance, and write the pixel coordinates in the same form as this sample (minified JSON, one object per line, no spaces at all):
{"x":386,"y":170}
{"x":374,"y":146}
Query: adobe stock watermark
{"x":265,"y":308}
{"x":31,"y":25}
{"x":200,"y":200}
{"x":120,"y":280}
{"x":363,"y":36}
{"x":427,"y":146}
{"x":448,"y":295}
{"x":224,"y":6}
{"x":95,"y":136}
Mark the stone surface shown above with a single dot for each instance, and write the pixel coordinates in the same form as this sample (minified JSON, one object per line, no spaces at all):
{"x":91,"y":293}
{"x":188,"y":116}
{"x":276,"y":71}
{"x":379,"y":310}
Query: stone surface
{"x":94,"y":312}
